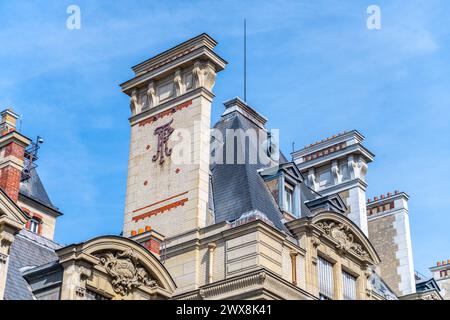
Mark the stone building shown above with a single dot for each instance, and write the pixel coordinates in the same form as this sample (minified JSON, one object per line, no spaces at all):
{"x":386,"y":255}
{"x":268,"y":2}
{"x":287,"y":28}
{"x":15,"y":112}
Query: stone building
{"x":211,"y":212}
{"x":441,"y":274}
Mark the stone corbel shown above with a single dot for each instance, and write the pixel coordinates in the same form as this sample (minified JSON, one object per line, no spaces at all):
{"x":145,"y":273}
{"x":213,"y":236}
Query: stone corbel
{"x":6,"y":240}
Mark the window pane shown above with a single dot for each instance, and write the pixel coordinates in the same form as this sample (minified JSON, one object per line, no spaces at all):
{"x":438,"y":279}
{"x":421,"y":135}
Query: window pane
{"x":326,"y":287}
{"x":288,"y":199}
{"x":349,"y":286}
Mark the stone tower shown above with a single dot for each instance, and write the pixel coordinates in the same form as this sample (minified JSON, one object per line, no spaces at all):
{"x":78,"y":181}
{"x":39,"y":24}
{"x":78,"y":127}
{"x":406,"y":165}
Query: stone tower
{"x":338,"y":165}
{"x":388,"y":222}
{"x":168,"y":170}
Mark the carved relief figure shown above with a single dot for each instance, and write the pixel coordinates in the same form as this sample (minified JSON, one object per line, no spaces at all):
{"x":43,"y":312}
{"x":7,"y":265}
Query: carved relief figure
{"x":125,"y":271}
{"x":163,"y":132}
{"x":204,"y":75}
{"x":151,"y":95}
{"x":178,"y":84}
{"x":134,"y":104}
{"x":335,"y":172}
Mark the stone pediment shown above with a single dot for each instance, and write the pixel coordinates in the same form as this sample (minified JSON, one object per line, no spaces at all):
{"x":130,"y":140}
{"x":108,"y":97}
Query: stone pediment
{"x":118,"y":268}
{"x":345,"y":234}
{"x":337,"y":231}
{"x":10,"y":213}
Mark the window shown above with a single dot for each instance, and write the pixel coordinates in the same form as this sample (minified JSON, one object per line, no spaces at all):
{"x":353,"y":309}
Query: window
{"x":34,"y":225}
{"x":325,"y":178}
{"x":443,"y":273}
{"x":326,"y":285}
{"x":349,"y":286}
{"x":288,"y":199}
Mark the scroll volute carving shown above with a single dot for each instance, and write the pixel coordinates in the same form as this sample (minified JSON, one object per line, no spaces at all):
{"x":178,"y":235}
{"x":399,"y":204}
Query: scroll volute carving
{"x":125,"y":271}
{"x":343,"y":236}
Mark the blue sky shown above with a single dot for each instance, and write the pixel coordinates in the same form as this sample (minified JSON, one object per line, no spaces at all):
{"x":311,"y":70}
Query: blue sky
{"x":314,"y":70}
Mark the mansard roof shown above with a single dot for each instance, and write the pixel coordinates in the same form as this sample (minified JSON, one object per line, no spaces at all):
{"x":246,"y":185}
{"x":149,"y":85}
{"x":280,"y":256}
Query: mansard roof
{"x":33,"y":189}
{"x":239,"y":188}
{"x":28,"y":251}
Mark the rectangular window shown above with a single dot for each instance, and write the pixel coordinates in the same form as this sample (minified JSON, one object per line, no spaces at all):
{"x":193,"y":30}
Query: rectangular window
{"x":325,"y":178}
{"x":349,"y":286}
{"x":34,"y":226}
{"x":326,"y":282}
{"x":288,"y":199}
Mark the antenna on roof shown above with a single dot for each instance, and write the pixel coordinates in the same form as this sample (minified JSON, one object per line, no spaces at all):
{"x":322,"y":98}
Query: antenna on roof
{"x":293,"y":147}
{"x":31,"y":157}
{"x":245,"y":60}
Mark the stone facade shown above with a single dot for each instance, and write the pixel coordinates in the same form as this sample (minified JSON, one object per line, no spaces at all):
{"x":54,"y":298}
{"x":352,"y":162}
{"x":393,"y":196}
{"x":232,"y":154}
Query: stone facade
{"x":389,"y":231}
{"x":277,"y":225}
{"x":338,"y":165}
{"x":441,"y":273}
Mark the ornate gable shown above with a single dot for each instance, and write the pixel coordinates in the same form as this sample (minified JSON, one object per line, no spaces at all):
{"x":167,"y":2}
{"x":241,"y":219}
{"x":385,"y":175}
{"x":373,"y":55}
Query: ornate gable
{"x":346,"y":236}
{"x":114,"y":268}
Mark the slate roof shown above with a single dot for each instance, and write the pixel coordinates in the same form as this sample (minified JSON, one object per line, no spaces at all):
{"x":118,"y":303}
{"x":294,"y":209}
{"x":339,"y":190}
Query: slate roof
{"x":239,"y":188}
{"x":27,"y":251}
{"x":34,"y":189}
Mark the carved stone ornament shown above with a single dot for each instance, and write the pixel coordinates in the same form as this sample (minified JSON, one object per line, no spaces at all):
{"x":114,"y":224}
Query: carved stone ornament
{"x":151,"y":95}
{"x":125,"y":271}
{"x":136,"y":107}
{"x":204,"y":75}
{"x":343,"y":236}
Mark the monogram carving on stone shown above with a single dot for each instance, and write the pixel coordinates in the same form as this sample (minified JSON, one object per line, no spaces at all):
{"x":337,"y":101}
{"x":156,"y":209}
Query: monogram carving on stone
{"x":125,"y":271}
{"x":163,"y":132}
{"x":341,"y":233}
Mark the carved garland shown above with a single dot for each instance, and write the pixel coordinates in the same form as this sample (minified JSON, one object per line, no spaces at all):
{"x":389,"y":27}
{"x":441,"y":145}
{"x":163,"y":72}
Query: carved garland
{"x":125,"y":271}
{"x":342,"y":234}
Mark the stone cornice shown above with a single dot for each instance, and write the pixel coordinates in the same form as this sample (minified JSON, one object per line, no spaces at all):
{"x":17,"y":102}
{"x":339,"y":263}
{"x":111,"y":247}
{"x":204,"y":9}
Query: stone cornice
{"x":349,"y":150}
{"x":190,"y":95}
{"x":16,"y":137}
{"x":199,"y":239}
{"x":200,"y":53}
{"x":248,"y":284}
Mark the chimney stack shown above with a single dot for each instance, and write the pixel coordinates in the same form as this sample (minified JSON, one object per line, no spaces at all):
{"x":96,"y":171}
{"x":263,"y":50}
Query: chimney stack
{"x":12,"y":151}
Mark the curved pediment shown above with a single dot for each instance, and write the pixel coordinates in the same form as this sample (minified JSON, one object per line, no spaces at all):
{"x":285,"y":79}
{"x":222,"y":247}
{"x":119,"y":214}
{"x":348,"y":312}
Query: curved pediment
{"x":127,"y":264}
{"x":346,"y":235}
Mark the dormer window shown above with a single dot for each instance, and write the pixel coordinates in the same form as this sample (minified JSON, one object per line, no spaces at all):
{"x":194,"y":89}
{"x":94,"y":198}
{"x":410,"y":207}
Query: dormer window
{"x":288,"y":198}
{"x":34,"y":225}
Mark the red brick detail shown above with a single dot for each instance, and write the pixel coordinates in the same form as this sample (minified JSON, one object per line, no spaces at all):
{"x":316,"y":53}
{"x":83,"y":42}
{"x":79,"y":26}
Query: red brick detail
{"x":161,"y":201}
{"x":178,"y":170}
{"x":324,"y":152}
{"x":160,"y":210}
{"x":164,"y":113}
{"x":145,"y":182}
{"x":10,"y":182}
{"x":15,"y":150}
{"x":153,"y":245}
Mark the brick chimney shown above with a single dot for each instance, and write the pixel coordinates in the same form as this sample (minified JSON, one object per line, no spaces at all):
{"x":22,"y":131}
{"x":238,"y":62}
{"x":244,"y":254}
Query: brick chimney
{"x":12,"y":150}
{"x":150,"y":239}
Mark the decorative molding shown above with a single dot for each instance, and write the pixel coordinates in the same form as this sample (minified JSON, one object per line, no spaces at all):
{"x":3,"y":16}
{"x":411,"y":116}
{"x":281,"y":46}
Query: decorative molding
{"x":165,"y":113}
{"x":344,"y":237}
{"x":125,"y":271}
{"x":160,"y":210}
